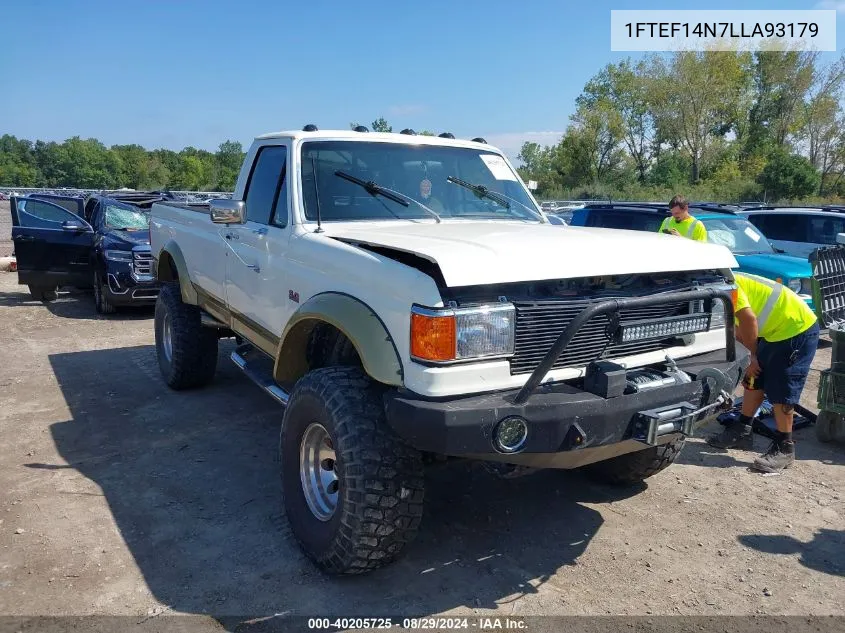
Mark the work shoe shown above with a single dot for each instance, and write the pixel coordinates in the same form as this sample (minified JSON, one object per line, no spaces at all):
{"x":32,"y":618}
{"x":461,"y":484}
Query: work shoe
{"x":734,"y":435}
{"x":779,"y":456}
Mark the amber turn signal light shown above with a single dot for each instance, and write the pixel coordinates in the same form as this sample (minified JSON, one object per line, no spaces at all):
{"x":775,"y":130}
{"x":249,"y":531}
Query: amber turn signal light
{"x":432,"y":337}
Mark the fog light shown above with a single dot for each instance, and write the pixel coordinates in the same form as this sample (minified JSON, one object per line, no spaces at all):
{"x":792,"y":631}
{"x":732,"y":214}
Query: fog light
{"x":510,"y":435}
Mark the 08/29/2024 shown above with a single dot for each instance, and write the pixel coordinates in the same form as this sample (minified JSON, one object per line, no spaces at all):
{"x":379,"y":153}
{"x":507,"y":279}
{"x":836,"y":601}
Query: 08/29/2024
{"x":431,"y":624}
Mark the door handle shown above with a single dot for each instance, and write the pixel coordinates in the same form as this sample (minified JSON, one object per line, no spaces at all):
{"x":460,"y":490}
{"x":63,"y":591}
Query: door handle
{"x":24,"y":238}
{"x":261,"y":231}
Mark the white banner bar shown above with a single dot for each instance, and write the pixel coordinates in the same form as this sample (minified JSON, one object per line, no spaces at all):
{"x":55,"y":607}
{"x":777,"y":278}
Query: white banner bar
{"x":697,"y":30}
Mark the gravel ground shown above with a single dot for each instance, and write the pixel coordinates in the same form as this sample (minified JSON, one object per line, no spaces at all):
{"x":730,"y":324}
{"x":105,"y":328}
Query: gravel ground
{"x":119,"y":497}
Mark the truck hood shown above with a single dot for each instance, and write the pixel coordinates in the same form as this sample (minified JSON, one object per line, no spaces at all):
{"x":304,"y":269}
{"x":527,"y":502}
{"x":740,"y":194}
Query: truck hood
{"x":473,"y":253}
{"x":774,"y":265}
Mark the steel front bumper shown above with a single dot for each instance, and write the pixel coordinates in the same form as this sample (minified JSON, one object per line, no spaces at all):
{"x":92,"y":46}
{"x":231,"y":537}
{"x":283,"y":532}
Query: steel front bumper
{"x":567,"y":426}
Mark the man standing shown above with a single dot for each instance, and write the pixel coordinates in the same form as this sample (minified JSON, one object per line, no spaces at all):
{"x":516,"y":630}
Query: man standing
{"x":682,"y":223}
{"x":782,"y":334}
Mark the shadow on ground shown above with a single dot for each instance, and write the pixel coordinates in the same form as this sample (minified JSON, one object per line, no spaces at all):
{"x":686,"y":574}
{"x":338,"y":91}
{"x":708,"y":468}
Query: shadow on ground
{"x":807,"y":447}
{"x":825,"y":553}
{"x":191,"y":479}
{"x":72,"y":303}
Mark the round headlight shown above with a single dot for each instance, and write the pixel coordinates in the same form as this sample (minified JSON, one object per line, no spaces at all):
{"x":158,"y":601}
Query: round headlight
{"x":794,"y":285}
{"x":510,"y":435}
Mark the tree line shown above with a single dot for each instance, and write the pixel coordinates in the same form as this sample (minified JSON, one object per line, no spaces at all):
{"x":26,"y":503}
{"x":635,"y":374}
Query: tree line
{"x":89,"y":164}
{"x":716,"y":125}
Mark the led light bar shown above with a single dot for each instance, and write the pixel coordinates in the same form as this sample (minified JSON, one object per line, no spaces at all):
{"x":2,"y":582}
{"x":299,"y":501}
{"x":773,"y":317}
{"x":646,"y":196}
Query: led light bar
{"x":662,"y":328}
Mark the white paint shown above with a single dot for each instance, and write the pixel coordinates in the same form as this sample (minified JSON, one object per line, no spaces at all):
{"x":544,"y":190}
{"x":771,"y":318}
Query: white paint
{"x":297,"y":261}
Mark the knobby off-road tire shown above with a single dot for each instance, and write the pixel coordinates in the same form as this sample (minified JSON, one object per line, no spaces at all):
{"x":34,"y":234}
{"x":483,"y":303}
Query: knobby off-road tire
{"x":632,"y":468}
{"x":101,"y":302}
{"x":186,"y":350}
{"x":379,"y":478}
{"x":42,"y":293}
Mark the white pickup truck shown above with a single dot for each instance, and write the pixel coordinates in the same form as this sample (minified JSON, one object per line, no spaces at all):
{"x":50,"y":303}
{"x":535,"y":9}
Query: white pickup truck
{"x":404,"y":297}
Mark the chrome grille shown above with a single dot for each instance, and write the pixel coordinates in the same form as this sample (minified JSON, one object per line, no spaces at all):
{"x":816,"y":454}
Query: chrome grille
{"x":539,"y":324}
{"x":142,"y":263}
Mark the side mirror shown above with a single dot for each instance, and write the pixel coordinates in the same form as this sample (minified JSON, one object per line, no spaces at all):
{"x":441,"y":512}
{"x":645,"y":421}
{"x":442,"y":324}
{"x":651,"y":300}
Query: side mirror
{"x":227,"y":211}
{"x":840,"y":238}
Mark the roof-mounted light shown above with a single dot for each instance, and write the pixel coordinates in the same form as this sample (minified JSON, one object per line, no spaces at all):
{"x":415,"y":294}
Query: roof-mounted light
{"x":360,"y":128}
{"x":310,"y":128}
{"x":478,"y":139}
{"x":408,"y":130}
{"x":446,"y":135}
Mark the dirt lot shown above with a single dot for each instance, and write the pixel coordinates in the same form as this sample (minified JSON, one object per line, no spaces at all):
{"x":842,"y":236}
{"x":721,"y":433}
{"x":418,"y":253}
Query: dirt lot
{"x":5,"y":229}
{"x":120,"y":497}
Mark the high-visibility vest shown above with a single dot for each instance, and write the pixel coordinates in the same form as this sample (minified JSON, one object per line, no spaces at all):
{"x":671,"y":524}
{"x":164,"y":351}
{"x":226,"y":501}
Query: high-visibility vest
{"x":690,"y":228}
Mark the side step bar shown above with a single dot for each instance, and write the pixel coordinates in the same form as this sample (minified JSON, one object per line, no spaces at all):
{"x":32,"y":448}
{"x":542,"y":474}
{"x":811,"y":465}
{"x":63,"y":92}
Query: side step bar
{"x":261,"y":378}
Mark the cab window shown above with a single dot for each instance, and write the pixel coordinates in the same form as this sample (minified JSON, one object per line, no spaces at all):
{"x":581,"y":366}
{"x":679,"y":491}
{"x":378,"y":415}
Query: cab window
{"x":788,"y":227}
{"x":824,"y":229}
{"x":266,"y":192}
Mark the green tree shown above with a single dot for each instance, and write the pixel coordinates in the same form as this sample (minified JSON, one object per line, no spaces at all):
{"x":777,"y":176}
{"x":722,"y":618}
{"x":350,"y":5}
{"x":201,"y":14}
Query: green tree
{"x":788,"y":176}
{"x":699,"y":97}
{"x":781,"y":80}
{"x":381,"y":125}
{"x":229,"y":158}
{"x":625,"y":90}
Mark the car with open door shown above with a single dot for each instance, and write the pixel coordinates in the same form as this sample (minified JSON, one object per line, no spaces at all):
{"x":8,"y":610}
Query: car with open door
{"x":104,"y":245}
{"x":52,"y":246}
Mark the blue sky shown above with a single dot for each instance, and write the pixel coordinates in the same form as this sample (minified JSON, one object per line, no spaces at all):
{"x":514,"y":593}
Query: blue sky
{"x":171,"y":74}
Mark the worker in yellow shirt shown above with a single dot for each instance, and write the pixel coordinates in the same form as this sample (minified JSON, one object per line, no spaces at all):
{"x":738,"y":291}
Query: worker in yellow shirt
{"x":782,"y":334}
{"x":682,"y":223}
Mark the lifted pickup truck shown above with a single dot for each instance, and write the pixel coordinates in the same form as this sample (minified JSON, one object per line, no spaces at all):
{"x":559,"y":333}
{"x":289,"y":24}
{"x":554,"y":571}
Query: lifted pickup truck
{"x":405,"y":299}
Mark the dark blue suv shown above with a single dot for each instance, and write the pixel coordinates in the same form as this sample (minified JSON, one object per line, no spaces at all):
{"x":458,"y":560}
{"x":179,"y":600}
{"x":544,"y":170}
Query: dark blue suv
{"x":100,"y":242}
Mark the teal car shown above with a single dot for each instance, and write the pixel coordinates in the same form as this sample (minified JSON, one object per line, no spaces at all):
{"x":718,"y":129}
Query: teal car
{"x":755,"y":254}
{"x":752,"y":249}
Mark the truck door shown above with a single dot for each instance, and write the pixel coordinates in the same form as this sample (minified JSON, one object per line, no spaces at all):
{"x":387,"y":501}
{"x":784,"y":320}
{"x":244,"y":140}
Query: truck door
{"x":52,"y":245}
{"x":256,"y":293}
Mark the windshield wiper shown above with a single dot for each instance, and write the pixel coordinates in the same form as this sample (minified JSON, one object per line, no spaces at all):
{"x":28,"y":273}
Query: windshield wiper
{"x":483,"y":192}
{"x":375,"y":189}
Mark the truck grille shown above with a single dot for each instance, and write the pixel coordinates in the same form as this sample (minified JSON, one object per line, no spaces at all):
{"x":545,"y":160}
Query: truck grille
{"x":142,"y":263}
{"x":539,"y":324}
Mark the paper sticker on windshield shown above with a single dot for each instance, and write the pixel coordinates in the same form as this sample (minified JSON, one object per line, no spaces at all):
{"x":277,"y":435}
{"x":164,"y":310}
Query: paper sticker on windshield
{"x":498,"y":167}
{"x":752,"y":234}
{"x":425,"y":188}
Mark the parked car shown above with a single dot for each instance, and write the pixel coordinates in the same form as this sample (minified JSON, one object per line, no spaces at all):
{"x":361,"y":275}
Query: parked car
{"x":403,"y":297}
{"x":101,"y":242}
{"x":798,"y":230}
{"x":752,"y":249}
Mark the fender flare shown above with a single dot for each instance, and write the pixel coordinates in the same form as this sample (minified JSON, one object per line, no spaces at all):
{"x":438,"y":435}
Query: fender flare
{"x":168,"y":258}
{"x":356,"y":320}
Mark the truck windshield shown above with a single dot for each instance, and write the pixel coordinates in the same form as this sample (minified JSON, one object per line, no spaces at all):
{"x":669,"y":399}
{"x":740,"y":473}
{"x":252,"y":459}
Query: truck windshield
{"x":738,"y":234}
{"x":126,"y":218}
{"x":424,"y":173}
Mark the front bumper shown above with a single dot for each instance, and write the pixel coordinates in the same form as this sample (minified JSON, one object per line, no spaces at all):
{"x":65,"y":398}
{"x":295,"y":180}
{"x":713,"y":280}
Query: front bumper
{"x":559,"y":413}
{"x":568,"y":426}
{"x":124,"y":288}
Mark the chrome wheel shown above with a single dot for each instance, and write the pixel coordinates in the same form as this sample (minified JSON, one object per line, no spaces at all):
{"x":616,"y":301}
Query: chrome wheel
{"x":317,"y":471}
{"x":167,"y":338}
